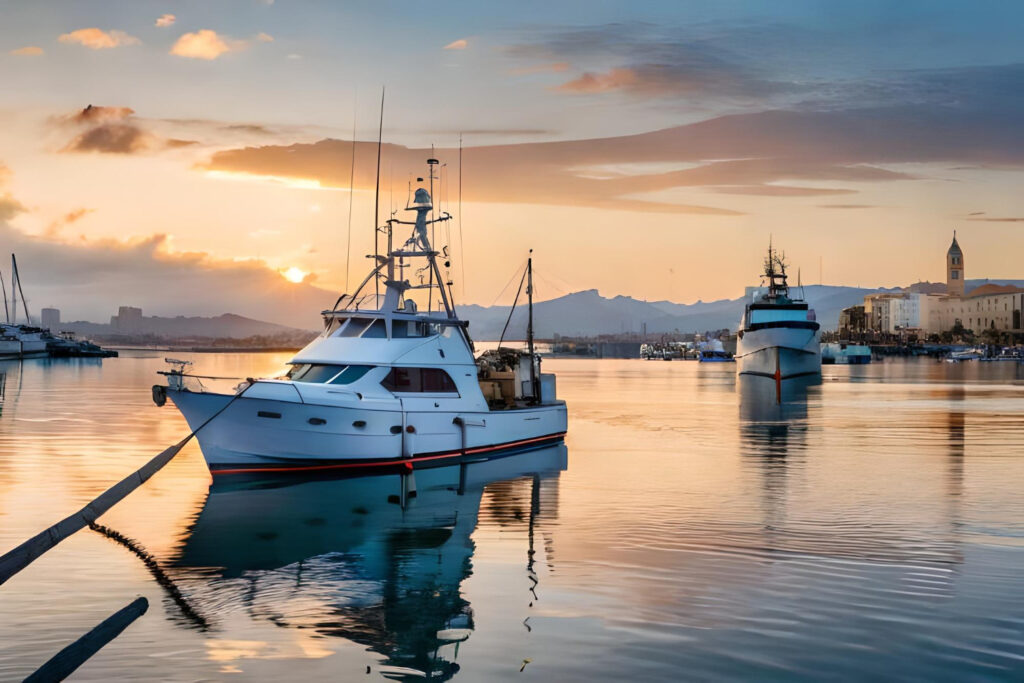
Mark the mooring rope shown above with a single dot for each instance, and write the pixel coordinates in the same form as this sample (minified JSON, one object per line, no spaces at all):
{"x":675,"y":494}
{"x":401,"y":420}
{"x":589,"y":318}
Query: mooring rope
{"x":165,"y":581}
{"x":13,"y":561}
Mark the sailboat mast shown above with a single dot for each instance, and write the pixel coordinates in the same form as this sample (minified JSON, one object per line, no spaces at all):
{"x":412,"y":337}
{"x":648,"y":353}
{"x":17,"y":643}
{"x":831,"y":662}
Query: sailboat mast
{"x":14,"y":292}
{"x":529,"y":328}
{"x":7,"y":311}
{"x":24,"y":302}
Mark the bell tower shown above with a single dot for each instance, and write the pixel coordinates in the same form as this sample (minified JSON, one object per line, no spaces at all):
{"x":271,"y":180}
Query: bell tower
{"x":955,"y":269}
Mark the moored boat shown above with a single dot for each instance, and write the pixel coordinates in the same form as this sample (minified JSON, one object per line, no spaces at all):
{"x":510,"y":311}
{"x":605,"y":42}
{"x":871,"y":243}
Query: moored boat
{"x":845,"y":353}
{"x":393,"y":384}
{"x":779,"y":336}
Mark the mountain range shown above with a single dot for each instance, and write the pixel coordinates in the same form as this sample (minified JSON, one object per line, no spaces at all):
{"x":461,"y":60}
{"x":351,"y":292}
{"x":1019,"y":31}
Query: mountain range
{"x":584,"y":313}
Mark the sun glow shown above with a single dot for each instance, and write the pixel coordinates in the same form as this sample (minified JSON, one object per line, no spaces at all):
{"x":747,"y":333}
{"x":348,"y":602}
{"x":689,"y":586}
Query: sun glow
{"x":294,"y":274}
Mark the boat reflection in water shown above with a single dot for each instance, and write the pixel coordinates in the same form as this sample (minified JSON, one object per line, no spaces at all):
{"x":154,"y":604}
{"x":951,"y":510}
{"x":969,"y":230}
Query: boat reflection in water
{"x":378,"y":560}
{"x":771,"y":413}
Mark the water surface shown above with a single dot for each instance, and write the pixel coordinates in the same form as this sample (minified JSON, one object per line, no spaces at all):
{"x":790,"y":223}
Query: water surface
{"x":871,"y":526}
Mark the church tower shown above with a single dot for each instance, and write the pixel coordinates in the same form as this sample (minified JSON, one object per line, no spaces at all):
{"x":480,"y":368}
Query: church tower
{"x":955,"y":269}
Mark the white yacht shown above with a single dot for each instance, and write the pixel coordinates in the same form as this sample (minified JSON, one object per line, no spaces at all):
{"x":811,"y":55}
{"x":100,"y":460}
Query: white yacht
{"x":779,"y":336}
{"x":381,"y":386}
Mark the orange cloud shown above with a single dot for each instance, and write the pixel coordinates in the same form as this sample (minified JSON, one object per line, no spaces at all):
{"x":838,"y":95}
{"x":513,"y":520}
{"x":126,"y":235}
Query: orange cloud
{"x":264,"y":37}
{"x":460,"y":44}
{"x":614,"y":79}
{"x":165,"y":20}
{"x":28,"y":51}
{"x":203,"y":44}
{"x":97,"y":39}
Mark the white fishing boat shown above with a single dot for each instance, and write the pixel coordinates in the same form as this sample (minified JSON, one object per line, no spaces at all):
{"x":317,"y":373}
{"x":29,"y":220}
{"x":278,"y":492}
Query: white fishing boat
{"x":393,"y":384}
{"x":779,"y":336}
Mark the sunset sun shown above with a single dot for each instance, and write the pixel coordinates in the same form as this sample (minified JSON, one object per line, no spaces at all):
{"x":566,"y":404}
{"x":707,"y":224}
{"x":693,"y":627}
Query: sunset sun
{"x":294,"y":274}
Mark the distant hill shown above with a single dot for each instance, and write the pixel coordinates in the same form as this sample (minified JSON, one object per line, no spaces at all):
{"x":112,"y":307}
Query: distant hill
{"x":584,"y":313}
{"x":227,"y":325}
{"x":587,"y":313}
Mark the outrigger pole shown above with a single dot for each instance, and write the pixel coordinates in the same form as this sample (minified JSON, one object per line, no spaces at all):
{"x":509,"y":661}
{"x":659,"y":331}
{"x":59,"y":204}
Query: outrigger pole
{"x":376,"y":200}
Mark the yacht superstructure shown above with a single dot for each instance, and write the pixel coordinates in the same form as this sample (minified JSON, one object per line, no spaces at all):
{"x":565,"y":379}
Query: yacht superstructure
{"x":386,"y":385}
{"x":779,"y":336}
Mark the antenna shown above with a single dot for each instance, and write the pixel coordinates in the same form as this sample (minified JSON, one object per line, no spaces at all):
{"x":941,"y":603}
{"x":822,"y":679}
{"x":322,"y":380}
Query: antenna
{"x":351,"y":188}
{"x":462,"y":247}
{"x":376,"y":201}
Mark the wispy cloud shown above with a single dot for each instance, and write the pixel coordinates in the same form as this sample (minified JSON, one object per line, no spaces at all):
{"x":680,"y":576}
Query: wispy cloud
{"x":165,"y":20}
{"x":846,"y":206}
{"x":28,"y":51}
{"x":999,"y":219}
{"x":460,"y":44}
{"x":98,"y":39}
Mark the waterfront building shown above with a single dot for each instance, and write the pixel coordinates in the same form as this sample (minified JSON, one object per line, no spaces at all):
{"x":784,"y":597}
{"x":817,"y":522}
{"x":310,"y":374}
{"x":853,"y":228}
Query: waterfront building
{"x":926,"y":309}
{"x":50,"y":318}
{"x":127,"y":321}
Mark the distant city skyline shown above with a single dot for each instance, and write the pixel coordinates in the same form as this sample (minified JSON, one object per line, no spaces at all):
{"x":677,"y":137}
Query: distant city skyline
{"x":642,"y":150}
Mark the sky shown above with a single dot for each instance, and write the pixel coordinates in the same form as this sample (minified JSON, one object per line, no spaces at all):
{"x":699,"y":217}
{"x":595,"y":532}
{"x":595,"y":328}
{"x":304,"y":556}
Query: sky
{"x":194,"y":157}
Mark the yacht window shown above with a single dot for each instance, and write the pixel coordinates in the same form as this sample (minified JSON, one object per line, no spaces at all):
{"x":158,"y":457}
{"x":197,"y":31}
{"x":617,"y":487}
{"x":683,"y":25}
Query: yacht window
{"x":333,"y":326}
{"x":399,"y":329}
{"x":355,"y":327}
{"x":351,"y":374}
{"x":314,"y":373}
{"x":419,"y":380}
{"x":376,"y":330}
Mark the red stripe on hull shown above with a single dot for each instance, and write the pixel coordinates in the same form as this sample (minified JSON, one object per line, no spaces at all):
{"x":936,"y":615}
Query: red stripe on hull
{"x":392,"y":462}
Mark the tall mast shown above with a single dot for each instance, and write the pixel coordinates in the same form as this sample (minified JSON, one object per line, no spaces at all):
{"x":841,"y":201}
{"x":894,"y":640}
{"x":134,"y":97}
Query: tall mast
{"x":14,"y":292}
{"x":529,"y":328}
{"x":376,"y":201}
{"x":7,"y":312}
{"x":24,"y":301}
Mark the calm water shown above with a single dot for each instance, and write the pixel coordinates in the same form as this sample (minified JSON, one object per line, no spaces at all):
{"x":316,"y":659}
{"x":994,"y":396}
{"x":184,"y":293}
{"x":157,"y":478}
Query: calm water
{"x":871,"y":527}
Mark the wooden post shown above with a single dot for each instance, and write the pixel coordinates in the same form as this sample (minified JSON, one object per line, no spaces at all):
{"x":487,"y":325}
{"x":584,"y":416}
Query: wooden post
{"x":64,"y":663}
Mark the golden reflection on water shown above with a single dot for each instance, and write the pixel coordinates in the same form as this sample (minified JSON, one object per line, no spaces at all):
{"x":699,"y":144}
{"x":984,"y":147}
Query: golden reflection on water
{"x":701,"y":525}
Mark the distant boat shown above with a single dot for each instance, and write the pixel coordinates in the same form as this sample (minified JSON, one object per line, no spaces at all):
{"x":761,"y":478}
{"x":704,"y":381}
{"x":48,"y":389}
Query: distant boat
{"x":966,"y":354}
{"x":713,"y":352}
{"x":843,"y":353}
{"x":779,"y":336}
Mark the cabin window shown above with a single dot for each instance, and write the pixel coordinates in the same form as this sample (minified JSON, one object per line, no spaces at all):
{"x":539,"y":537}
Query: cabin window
{"x":355,"y":327}
{"x":376,"y":330}
{"x":419,"y":381}
{"x":316,"y":373}
{"x":351,"y":374}
{"x":402,"y":329}
{"x":332,"y":326}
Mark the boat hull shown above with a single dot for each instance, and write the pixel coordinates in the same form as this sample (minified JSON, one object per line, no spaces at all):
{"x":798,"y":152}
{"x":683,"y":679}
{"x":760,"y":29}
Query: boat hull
{"x":779,"y":352}
{"x":255,"y":434}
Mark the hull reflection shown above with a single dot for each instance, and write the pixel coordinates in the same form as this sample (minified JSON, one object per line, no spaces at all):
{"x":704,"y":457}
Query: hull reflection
{"x":378,"y":560}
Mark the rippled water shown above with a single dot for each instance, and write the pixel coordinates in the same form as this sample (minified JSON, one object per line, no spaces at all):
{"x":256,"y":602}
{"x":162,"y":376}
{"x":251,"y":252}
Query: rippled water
{"x":872,"y":526}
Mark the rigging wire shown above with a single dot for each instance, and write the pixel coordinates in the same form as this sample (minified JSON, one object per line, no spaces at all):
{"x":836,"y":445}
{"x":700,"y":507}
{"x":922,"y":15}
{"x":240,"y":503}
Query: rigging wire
{"x":510,"y":281}
{"x":512,"y":310}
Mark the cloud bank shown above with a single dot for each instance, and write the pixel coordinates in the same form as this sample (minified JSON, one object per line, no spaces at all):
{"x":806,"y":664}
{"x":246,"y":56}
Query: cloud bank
{"x":98,"y":39}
